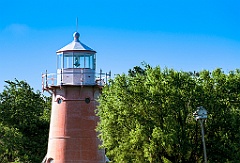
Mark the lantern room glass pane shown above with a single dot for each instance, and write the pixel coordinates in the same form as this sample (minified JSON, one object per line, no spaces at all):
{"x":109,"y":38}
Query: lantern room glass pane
{"x":76,"y":61}
{"x":81,"y":61}
{"x":91,"y":62}
{"x":60,"y":61}
{"x":67,"y":61}
{"x":87,"y":61}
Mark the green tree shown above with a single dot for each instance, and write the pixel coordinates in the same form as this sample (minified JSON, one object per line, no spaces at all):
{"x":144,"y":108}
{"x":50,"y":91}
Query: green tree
{"x":147,"y":117}
{"x":222,"y":99}
{"x":24,"y":123}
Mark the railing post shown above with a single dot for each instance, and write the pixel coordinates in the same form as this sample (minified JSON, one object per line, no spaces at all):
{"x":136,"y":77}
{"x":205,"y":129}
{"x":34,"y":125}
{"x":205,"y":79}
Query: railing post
{"x":43,"y":82}
{"x":61,"y":77}
{"x":46,"y":80}
{"x":109,"y":74}
{"x":100,"y":75}
{"x":106,"y":77}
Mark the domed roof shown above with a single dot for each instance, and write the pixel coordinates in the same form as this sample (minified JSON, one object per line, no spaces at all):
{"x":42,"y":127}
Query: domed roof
{"x":76,"y":45}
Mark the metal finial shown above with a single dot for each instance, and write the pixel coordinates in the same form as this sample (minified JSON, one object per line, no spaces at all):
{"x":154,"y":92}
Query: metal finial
{"x":76,"y":36}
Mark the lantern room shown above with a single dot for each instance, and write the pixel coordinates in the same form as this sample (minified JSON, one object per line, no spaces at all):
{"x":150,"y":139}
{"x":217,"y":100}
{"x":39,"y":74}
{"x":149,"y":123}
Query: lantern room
{"x":76,"y":64}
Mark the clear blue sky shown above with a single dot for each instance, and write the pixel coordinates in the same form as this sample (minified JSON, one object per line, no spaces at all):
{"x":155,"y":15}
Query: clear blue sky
{"x":185,"y":35}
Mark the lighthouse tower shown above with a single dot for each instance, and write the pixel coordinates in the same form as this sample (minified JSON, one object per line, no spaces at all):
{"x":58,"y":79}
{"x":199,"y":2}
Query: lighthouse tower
{"x":74,"y":89}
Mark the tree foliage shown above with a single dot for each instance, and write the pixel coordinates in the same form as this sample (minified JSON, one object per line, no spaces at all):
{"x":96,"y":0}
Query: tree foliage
{"x":24,"y":123}
{"x":146,"y":116}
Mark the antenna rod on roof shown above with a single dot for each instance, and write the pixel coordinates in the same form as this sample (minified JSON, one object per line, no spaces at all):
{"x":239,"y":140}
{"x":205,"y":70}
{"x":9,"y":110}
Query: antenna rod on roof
{"x":76,"y":24}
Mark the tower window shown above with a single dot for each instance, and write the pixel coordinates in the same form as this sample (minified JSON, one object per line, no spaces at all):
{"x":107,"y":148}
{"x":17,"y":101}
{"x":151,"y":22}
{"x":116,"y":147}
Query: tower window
{"x":50,"y":160}
{"x":87,"y":100}
{"x":59,"y":100}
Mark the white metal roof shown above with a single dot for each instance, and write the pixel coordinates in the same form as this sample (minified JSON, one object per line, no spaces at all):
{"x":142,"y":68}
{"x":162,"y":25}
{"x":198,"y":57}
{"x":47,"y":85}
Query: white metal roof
{"x":76,"y":45}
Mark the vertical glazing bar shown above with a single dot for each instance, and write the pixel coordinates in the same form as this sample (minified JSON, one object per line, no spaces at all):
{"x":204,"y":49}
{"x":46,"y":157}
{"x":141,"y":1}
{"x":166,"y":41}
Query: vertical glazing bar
{"x":94,"y":66}
{"x":73,"y":62}
{"x":63,"y":59}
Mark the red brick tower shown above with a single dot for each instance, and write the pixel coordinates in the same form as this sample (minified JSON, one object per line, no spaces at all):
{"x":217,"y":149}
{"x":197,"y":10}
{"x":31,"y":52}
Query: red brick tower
{"x":74,"y":89}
